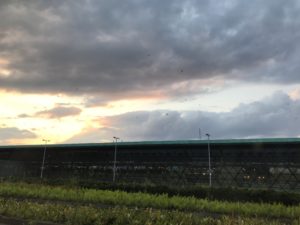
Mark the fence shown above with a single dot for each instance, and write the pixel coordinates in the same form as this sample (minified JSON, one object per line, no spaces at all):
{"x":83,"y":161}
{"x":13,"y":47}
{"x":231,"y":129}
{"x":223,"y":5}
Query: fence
{"x":272,"y":164}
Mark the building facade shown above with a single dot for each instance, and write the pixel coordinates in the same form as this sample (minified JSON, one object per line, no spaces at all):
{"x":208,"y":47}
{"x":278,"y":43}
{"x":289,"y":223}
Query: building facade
{"x":250,"y":163}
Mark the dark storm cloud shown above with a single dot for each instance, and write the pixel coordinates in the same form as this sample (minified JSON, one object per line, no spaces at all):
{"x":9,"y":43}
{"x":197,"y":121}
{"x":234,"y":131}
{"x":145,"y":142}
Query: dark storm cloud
{"x":276,"y":116}
{"x":59,"y":112}
{"x":8,"y":133}
{"x":121,"y":48}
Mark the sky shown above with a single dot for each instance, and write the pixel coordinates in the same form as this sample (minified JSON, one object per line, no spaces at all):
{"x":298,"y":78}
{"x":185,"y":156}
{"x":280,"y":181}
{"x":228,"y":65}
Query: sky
{"x":84,"y":71}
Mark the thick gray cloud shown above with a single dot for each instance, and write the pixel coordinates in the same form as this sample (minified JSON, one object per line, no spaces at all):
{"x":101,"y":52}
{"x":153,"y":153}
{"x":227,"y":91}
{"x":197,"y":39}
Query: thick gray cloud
{"x":275,"y":116}
{"x":59,"y":112}
{"x":131,"y":48}
{"x":8,"y":133}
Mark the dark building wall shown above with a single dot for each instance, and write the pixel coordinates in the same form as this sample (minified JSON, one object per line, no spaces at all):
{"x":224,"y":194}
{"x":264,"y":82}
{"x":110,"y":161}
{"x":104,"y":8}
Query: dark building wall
{"x":254,"y":163}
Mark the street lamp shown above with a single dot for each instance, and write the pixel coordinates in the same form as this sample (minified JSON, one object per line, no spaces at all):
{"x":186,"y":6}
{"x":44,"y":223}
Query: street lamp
{"x":115,"y":159}
{"x":43,"y":163}
{"x":209,"y":163}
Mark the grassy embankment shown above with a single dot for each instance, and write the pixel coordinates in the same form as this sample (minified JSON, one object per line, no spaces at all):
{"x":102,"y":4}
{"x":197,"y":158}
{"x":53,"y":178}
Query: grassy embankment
{"x":63,"y":204}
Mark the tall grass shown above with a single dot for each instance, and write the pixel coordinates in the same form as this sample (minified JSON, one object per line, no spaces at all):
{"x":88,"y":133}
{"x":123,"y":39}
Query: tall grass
{"x":121,"y":198}
{"x":88,"y":215}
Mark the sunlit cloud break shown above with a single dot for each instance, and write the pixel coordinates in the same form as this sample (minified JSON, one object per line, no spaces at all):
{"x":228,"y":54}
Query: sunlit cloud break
{"x":65,"y":64}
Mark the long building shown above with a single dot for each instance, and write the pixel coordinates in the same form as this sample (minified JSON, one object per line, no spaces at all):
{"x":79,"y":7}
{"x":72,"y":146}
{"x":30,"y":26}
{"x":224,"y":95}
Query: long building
{"x":252,"y":163}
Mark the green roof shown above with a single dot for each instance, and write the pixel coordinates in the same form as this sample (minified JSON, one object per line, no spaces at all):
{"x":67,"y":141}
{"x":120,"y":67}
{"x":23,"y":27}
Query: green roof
{"x":176,"y":142}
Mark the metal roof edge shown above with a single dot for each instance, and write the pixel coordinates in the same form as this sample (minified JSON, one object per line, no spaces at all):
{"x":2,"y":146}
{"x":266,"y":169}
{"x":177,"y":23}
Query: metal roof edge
{"x":176,"y":142}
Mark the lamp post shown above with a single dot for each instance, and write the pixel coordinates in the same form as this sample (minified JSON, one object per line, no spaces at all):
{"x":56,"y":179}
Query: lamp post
{"x":209,"y":163}
{"x":44,"y":155}
{"x":115,"y":159}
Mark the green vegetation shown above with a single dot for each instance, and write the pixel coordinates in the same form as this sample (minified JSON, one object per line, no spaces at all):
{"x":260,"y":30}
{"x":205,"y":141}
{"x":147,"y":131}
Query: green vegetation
{"x":221,"y":194}
{"x":88,"y":215}
{"x":143,"y":200}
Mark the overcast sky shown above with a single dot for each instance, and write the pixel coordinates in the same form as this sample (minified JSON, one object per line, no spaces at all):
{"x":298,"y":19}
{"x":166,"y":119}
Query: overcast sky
{"x":85,"y":71}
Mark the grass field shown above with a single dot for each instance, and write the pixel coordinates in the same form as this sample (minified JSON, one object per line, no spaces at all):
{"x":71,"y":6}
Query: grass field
{"x":65,"y":205}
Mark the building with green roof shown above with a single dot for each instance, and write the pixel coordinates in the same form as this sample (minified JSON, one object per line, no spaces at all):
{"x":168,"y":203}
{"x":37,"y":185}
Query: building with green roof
{"x":251,"y":163}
